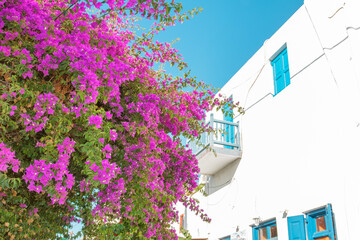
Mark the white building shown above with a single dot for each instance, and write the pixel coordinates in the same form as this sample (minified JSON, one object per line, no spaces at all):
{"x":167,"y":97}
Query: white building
{"x":296,"y":173}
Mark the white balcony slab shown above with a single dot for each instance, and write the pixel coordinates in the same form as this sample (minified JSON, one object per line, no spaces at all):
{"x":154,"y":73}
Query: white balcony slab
{"x":211,"y":162}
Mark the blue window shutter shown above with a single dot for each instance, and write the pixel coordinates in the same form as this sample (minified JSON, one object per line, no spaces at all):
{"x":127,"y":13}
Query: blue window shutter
{"x":329,"y":221}
{"x":285,"y":59}
{"x":278,"y":74}
{"x":310,"y":227}
{"x":281,"y":72}
{"x":278,"y":64}
{"x":296,"y":227}
{"x":255,"y":234}
{"x":286,"y":67}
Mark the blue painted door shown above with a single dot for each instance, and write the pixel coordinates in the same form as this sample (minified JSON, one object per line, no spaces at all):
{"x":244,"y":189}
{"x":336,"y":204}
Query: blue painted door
{"x":228,"y":136}
{"x":296,"y":227}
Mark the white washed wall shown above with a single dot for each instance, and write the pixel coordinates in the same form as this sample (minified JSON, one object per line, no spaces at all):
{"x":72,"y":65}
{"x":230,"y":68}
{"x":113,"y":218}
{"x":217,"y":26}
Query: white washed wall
{"x":301,"y":148}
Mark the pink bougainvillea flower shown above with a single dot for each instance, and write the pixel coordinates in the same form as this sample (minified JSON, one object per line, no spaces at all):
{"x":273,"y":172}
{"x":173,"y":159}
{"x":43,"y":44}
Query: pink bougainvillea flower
{"x":35,"y":210}
{"x":12,"y":112}
{"x":39,"y":144}
{"x":111,"y":87}
{"x":113,"y":135}
{"x":95,"y":120}
{"x":107,"y":148}
{"x":7,"y":157}
{"x":108,"y":115}
{"x":65,"y":109}
{"x":38,"y":188}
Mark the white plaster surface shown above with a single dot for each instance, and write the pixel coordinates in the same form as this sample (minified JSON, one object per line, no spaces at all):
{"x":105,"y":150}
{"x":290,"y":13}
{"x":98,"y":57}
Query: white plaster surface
{"x":300,"y":148}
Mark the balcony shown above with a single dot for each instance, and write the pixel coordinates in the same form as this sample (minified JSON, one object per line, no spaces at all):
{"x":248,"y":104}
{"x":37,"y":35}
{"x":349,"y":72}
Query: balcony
{"x":217,"y":149}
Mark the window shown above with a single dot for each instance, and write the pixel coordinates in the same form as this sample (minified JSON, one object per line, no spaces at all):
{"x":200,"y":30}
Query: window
{"x":281,"y":73}
{"x":266,"y":230}
{"x":320,"y":224}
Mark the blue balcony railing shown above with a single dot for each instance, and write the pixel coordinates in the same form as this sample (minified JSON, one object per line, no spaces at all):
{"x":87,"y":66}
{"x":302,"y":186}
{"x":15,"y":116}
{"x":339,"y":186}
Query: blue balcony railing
{"x":226,"y":135}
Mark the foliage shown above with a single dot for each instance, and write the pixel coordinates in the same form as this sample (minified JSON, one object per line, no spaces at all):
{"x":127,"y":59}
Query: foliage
{"x":90,"y":132}
{"x":187,"y":235}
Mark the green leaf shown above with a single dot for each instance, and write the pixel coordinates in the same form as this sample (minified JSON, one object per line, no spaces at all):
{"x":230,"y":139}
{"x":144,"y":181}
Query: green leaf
{"x":168,"y":9}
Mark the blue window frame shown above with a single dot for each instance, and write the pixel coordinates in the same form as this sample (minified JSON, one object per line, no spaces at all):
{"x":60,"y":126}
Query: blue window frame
{"x":265,"y":230}
{"x":320,"y":223}
{"x":281,"y":72}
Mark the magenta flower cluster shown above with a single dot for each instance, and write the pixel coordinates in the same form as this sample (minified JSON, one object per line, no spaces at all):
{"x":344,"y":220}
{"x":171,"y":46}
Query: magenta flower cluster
{"x":40,"y":174}
{"x":105,"y":172}
{"x":44,"y":106}
{"x":134,"y":144}
{"x":7,"y":158}
{"x":95,"y":120}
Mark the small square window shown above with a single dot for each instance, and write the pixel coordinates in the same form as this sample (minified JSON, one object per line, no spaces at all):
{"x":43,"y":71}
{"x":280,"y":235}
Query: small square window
{"x":273,"y":231}
{"x":263,"y":235}
{"x":320,"y":224}
{"x":280,"y":64}
{"x":266,"y":230}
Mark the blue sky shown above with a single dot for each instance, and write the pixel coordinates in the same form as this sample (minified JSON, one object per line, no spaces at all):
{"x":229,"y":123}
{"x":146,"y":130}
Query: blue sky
{"x":218,"y":41}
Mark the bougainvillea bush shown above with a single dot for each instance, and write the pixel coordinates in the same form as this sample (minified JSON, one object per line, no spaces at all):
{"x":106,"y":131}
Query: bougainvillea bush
{"x":90,"y":131}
